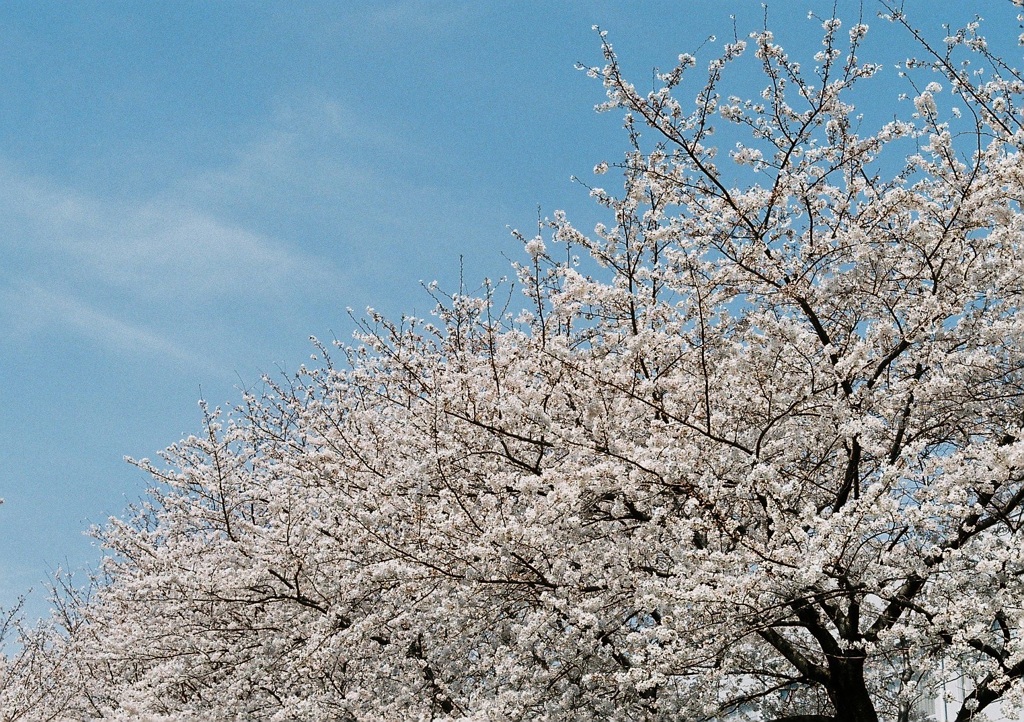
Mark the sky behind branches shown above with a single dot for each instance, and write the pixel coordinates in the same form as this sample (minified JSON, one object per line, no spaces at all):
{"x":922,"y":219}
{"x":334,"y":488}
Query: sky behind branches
{"x":189,"y":190}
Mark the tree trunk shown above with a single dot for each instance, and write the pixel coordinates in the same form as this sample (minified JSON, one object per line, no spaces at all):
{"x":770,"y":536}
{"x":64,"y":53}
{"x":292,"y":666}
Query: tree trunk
{"x":848,"y":692}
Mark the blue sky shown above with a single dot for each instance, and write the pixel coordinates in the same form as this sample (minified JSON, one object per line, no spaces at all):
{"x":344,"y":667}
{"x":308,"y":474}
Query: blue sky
{"x":189,"y":190}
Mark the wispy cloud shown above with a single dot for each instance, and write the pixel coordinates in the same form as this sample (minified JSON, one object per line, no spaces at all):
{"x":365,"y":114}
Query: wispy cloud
{"x":418,"y":15}
{"x":160,"y":247}
{"x":29,"y":306}
{"x":120,"y":272}
{"x":314,"y":211}
{"x":383,"y":22}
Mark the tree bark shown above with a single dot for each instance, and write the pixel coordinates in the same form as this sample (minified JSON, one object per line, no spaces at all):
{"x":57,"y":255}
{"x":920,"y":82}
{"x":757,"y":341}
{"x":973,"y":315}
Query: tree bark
{"x":848,"y":692}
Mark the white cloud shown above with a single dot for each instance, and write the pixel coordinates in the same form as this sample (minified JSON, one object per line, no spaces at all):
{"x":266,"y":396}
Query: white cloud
{"x":418,"y":15}
{"x":158,"y":248}
{"x":157,"y":276}
{"x":383,"y":22}
{"x":30,"y":306}
{"x":317,"y":211}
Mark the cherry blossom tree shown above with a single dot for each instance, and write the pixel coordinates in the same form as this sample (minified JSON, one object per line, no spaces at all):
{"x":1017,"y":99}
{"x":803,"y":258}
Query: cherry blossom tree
{"x":752,"y":450}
